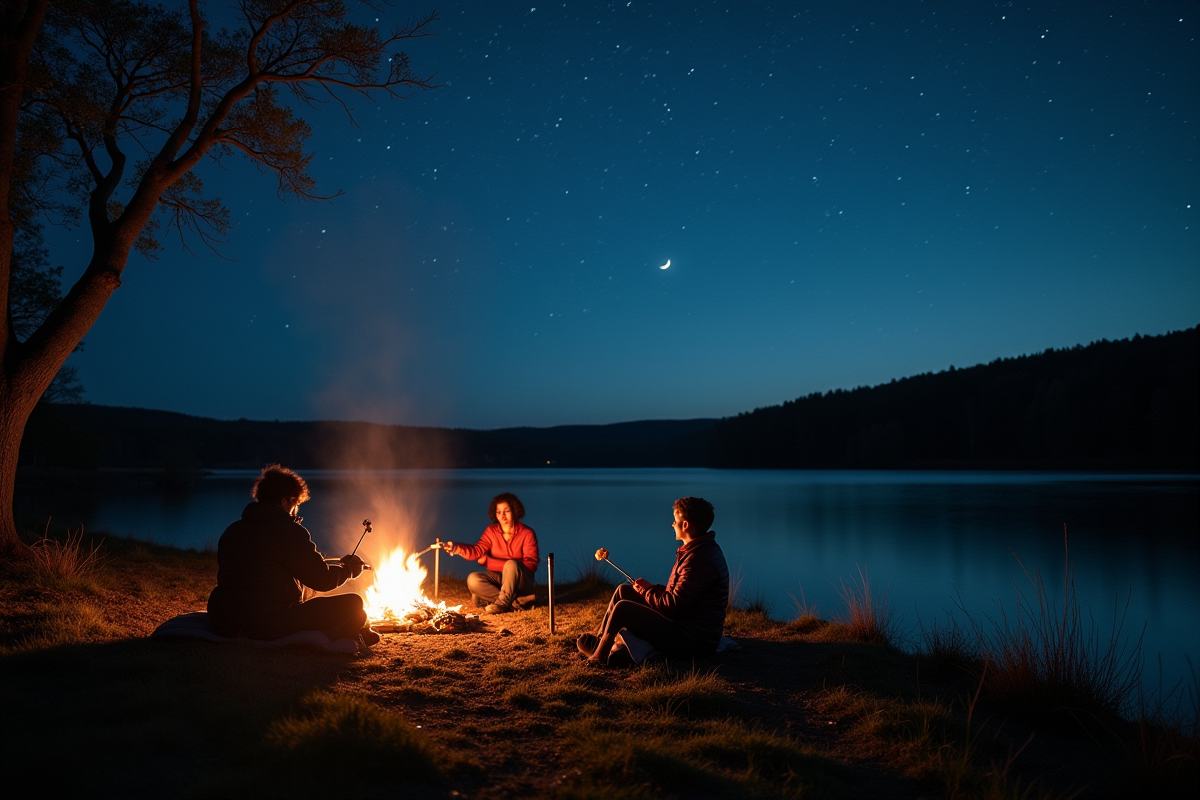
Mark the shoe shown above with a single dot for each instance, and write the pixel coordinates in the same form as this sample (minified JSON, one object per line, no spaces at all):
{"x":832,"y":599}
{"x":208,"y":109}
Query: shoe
{"x":496,"y":608}
{"x":586,"y":644}
{"x":369,"y":637}
{"x":525,"y":601}
{"x":620,"y":658}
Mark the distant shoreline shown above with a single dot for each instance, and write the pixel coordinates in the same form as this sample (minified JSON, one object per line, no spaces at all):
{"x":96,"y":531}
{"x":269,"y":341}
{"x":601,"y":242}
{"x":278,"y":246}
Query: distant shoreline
{"x":1124,"y":406}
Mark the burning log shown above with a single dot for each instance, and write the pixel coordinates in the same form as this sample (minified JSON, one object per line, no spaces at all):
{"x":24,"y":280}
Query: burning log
{"x":430,"y":619}
{"x":395,"y":602}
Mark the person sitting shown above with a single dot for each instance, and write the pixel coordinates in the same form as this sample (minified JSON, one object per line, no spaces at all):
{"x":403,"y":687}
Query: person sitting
{"x":684,"y":618}
{"x":509,"y":550}
{"x":263,"y":560}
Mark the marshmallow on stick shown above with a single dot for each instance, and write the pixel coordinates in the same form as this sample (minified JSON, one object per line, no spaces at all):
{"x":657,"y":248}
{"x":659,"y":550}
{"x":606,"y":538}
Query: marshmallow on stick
{"x":602,"y":555}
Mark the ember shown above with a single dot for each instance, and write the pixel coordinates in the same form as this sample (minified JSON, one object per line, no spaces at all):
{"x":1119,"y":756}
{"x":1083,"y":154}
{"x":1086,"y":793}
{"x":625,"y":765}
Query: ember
{"x":430,"y":620}
{"x":396,"y":604}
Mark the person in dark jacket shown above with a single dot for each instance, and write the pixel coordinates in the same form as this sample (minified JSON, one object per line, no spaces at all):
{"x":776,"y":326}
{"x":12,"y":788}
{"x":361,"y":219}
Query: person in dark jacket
{"x":266,"y":557}
{"x":684,"y":618}
{"x":508,"y":549}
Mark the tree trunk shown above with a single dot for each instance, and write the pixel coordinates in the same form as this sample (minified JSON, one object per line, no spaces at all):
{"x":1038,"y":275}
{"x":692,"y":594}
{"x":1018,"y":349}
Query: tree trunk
{"x":27,"y":368}
{"x":14,"y":413}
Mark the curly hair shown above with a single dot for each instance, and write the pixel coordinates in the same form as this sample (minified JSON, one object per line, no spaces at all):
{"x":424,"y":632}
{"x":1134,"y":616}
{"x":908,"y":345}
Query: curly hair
{"x":514,"y":502}
{"x":277,"y":483}
{"x":697,"y":511}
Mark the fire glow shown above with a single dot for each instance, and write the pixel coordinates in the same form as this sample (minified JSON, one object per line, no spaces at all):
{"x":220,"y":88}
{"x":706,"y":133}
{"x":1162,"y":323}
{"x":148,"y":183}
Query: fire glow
{"x":395,"y":602}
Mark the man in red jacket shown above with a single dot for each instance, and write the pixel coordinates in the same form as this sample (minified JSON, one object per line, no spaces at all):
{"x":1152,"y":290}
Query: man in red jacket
{"x":684,"y":618}
{"x":509,"y":550}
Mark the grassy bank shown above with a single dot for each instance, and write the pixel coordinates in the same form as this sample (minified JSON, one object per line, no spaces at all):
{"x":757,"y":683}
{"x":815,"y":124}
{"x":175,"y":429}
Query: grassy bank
{"x":810,"y":707}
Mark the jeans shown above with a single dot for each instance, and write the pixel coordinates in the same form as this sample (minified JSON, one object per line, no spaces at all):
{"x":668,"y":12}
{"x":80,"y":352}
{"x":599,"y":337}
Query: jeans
{"x":502,"y":588}
{"x":628,"y":610}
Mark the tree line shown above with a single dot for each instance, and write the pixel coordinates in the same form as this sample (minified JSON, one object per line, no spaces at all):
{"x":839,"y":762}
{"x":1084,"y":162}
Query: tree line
{"x":1130,"y":404}
{"x":1127,"y":404}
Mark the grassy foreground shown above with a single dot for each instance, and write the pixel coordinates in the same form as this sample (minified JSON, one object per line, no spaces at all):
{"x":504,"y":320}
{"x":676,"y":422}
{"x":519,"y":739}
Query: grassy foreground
{"x":808,"y":708}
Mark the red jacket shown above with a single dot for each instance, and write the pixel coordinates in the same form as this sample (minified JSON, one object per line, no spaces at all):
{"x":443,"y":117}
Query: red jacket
{"x":697,"y":593}
{"x":492,"y":551}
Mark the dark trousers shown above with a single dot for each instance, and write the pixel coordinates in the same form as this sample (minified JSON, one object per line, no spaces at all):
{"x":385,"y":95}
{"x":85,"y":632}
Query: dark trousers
{"x":501,"y":588}
{"x":338,"y":616}
{"x":628,"y":610}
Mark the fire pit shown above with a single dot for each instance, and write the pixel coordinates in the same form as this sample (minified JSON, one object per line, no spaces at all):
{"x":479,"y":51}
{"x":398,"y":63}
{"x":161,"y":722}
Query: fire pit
{"x":396,"y":604}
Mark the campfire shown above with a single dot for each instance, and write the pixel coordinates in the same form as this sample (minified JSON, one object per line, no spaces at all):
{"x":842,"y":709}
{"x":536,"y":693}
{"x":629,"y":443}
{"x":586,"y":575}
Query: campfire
{"x":396,"y":604}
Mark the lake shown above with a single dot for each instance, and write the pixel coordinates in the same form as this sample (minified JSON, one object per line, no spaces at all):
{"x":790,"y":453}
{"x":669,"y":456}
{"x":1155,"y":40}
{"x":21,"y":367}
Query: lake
{"x":926,"y":538}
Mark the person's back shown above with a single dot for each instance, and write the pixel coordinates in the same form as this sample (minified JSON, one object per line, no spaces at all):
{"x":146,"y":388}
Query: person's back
{"x":263,"y":561}
{"x":259,"y":559}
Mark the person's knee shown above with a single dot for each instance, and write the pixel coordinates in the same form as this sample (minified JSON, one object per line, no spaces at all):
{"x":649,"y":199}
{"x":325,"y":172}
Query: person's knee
{"x":351,"y":608}
{"x":626,"y":592}
{"x":624,"y":609}
{"x":512,"y":567}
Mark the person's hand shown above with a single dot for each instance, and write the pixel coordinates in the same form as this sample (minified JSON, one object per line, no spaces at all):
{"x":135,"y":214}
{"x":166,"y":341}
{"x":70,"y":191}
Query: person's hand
{"x":447,"y":547}
{"x":641,"y":584}
{"x":354,"y":564}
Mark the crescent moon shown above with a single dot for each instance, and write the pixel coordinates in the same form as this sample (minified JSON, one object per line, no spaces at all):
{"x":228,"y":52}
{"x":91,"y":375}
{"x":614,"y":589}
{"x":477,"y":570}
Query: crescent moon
{"x":664,"y":266}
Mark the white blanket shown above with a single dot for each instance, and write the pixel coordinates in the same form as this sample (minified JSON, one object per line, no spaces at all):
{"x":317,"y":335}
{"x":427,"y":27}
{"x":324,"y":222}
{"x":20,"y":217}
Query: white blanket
{"x":640,"y":649}
{"x":195,"y":626}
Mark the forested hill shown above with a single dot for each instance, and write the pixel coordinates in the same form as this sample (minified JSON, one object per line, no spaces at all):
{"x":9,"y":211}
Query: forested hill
{"x":1130,"y":404}
{"x":90,"y":437}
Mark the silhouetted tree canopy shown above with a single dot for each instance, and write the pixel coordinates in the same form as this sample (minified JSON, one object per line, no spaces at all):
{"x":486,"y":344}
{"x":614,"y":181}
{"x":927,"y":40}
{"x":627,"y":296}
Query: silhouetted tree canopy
{"x":107,"y":106}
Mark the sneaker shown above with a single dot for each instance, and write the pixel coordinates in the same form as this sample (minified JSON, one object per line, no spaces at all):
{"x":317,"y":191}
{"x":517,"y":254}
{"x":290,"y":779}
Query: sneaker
{"x":620,"y":658}
{"x":496,"y":608}
{"x":369,"y":637}
{"x":586,"y":644}
{"x":525,"y":601}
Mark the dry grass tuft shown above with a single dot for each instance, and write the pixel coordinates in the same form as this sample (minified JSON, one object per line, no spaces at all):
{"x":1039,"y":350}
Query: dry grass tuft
{"x":66,"y":564}
{"x":867,"y":618}
{"x":1046,"y":657}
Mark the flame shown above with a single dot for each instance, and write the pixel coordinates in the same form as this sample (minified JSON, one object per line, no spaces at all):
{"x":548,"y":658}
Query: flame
{"x":396,"y":593}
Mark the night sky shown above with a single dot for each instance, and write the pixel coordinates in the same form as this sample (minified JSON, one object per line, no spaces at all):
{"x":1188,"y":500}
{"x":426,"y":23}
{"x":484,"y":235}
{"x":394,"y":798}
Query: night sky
{"x":847,"y":193}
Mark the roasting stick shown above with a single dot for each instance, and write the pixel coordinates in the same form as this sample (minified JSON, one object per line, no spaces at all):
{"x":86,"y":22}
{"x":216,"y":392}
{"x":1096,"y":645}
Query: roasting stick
{"x":602,"y":555}
{"x":339,"y":561}
{"x":366,"y":530}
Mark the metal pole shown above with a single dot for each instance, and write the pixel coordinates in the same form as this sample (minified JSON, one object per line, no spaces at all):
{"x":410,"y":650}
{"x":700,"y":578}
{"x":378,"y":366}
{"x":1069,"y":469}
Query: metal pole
{"x":550,"y":590}
{"x":437,"y":567}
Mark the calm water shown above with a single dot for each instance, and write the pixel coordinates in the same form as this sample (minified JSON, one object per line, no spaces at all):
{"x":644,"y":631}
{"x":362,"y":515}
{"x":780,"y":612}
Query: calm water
{"x":924,"y":537}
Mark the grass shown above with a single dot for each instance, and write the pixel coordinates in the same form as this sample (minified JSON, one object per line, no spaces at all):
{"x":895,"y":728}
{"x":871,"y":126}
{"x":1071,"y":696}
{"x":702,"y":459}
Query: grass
{"x":811,"y":707}
{"x":1043,"y":658}
{"x":66,"y":563}
{"x":342,"y":743}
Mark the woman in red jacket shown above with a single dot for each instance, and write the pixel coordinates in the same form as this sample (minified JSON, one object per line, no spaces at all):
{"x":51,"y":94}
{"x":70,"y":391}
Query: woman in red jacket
{"x":508,"y":549}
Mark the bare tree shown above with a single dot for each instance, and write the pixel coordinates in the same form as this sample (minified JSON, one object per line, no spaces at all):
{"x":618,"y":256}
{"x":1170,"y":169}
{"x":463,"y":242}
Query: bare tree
{"x":106,"y":106}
